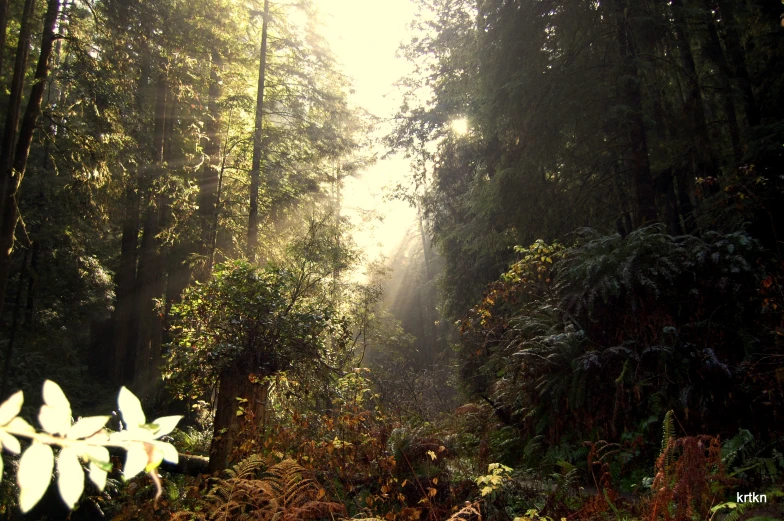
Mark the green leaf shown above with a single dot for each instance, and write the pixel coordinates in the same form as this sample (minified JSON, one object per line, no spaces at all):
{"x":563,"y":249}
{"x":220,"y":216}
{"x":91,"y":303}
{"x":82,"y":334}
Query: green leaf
{"x":166,"y":424}
{"x":131,"y":408}
{"x":34,"y":475}
{"x":135,"y":461}
{"x":10,"y":442}
{"x":11,"y":407}
{"x":70,"y":479}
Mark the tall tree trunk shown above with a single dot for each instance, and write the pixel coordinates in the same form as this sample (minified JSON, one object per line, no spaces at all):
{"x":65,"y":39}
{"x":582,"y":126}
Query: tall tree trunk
{"x":14,"y":108}
{"x":703,"y":159}
{"x":242,"y":398}
{"x":3,"y":25}
{"x":629,"y":87}
{"x":737,"y":58}
{"x":208,"y":181}
{"x":150,"y":275}
{"x":14,"y":329}
{"x":714,"y":52}
{"x":255,"y":169}
{"x":125,"y":319}
{"x":32,"y":285}
{"x":13,"y":176}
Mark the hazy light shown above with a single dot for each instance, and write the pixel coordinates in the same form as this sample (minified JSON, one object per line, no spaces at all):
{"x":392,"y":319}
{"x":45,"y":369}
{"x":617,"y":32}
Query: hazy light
{"x":460,"y":126}
{"x":365,"y":36}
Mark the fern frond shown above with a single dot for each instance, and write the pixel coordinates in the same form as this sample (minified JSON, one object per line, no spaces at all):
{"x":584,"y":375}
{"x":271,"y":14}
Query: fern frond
{"x":470,"y":512}
{"x":247,"y":468}
{"x":668,"y":441}
{"x":284,"y":492}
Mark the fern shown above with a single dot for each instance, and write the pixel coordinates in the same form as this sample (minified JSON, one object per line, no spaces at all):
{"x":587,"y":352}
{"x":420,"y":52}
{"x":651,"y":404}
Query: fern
{"x":737,"y":447}
{"x":284,"y":492}
{"x":288,"y":484}
{"x":246,"y":468}
{"x":668,"y":441}
{"x":470,"y":512}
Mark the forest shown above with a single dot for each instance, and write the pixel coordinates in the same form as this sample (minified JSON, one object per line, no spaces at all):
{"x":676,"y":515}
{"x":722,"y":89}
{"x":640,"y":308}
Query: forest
{"x":583,"y":321}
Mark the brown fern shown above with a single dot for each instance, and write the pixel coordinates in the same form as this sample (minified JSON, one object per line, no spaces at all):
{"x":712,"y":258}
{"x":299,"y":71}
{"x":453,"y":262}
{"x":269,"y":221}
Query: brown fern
{"x":694,"y":484}
{"x":470,"y":512}
{"x":285,"y":492}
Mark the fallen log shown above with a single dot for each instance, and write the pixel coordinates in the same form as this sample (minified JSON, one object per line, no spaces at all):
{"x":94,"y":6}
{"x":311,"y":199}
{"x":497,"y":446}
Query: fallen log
{"x":188,"y":465}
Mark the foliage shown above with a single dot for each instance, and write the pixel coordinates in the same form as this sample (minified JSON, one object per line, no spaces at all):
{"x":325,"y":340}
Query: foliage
{"x":695,"y":483}
{"x":264,"y":317}
{"x":85,"y":440}
{"x":283,"y":491}
{"x":616,"y":315}
{"x":496,"y":475}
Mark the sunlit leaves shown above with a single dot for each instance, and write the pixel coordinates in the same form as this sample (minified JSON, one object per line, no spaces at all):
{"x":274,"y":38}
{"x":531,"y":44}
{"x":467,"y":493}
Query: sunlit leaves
{"x":55,"y":414}
{"x":131,"y":408}
{"x":165,"y":425}
{"x":11,"y":407}
{"x":35,"y":472}
{"x":99,"y":465}
{"x":86,"y":427}
{"x":85,"y":440}
{"x":135,"y":461}
{"x":70,"y":476}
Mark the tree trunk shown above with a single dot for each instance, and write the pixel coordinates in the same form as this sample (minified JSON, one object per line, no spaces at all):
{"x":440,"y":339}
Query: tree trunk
{"x":14,"y":108}
{"x":126,"y":310}
{"x":736,"y":57}
{"x":32,"y":285}
{"x":241,"y":406}
{"x":3,"y":25}
{"x":9,"y":348}
{"x":255,"y":170}
{"x":703,"y":159}
{"x":125,"y":318}
{"x":210,"y":172}
{"x":18,"y":160}
{"x":629,"y":87}
{"x":150,"y":274}
{"x":715,"y":54}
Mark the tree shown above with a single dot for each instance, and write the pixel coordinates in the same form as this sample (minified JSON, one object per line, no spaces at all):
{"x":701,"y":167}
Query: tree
{"x":13,"y":158}
{"x":247,"y":324}
{"x":253,"y":214}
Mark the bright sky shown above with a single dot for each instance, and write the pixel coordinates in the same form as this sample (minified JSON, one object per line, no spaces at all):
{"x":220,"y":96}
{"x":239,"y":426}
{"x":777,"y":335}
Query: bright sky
{"x":365,"y":36}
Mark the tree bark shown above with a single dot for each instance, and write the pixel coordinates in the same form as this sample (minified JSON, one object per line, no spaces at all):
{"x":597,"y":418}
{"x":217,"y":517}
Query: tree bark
{"x":9,"y":348}
{"x":3,"y":25}
{"x":241,"y":399}
{"x":14,"y":163}
{"x":150,"y":274}
{"x":629,"y":86}
{"x":715,"y":54}
{"x":14,"y":107}
{"x":255,"y":170}
{"x":210,"y":172}
{"x":126,"y":310}
{"x":703,"y":159}
{"x":125,"y":319}
{"x":737,"y":59}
